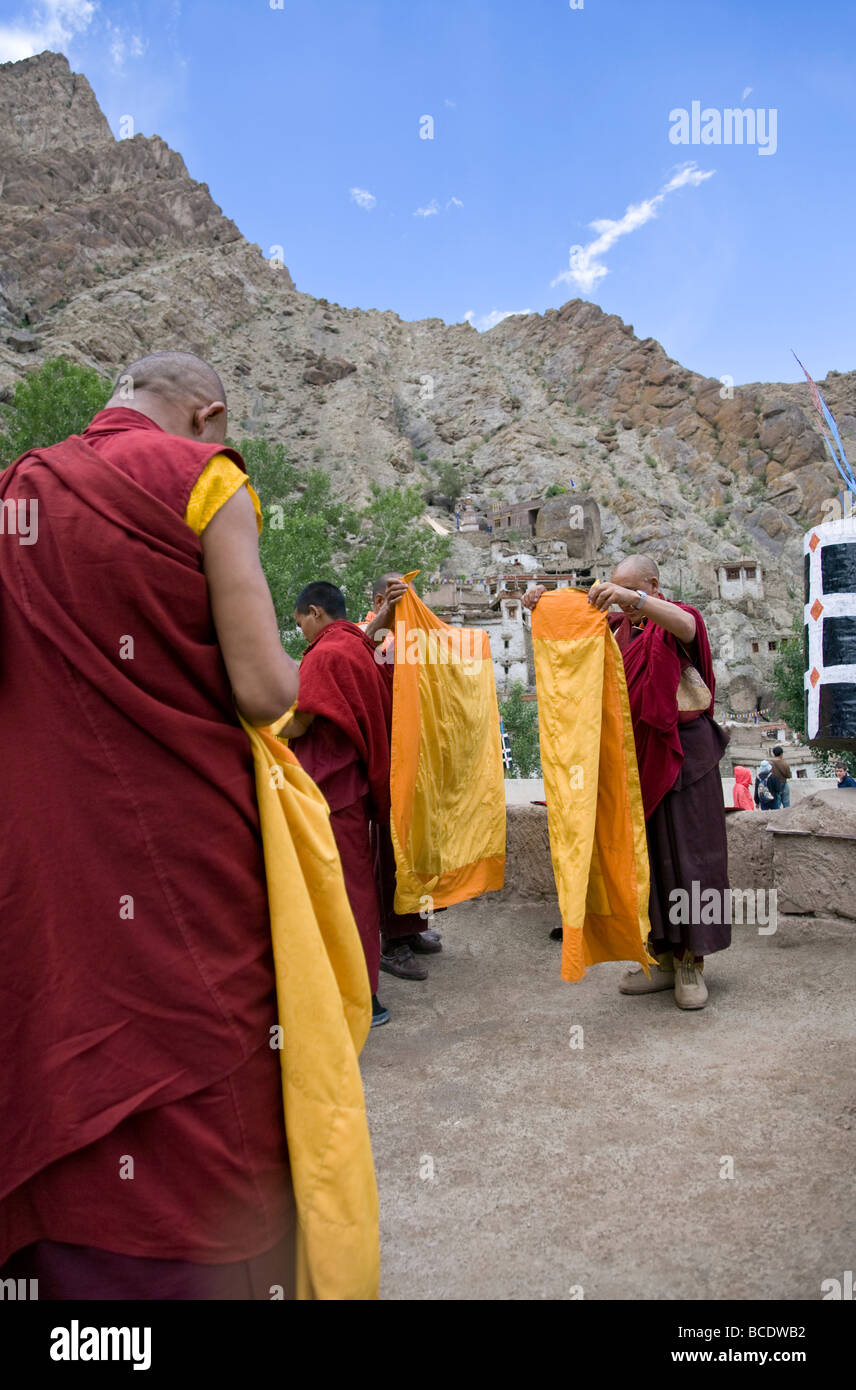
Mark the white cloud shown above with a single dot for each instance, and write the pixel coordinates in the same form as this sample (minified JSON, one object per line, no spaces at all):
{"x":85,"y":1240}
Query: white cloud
{"x":431,"y":209}
{"x":122,"y":47}
{"x":586,"y":266}
{"x":48,"y":24}
{"x":449,"y":102}
{"x":493,"y":318}
{"x":363,"y":198}
{"x":746,"y":91}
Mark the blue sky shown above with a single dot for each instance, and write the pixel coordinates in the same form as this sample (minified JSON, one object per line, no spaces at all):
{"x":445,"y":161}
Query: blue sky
{"x":305,"y":123}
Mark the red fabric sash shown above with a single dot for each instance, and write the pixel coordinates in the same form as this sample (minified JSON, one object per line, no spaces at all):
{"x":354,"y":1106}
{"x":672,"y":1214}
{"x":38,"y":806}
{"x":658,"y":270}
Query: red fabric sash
{"x":652,"y":664}
{"x":341,"y":680}
{"x":136,"y":956}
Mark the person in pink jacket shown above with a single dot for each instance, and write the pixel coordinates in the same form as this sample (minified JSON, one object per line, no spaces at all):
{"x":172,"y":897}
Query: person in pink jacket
{"x":742,"y":794}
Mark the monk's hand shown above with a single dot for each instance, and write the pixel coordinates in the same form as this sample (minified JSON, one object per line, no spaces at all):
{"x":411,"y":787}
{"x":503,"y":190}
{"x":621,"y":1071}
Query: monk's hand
{"x":395,"y":591}
{"x":531,"y":597}
{"x":603,"y":596}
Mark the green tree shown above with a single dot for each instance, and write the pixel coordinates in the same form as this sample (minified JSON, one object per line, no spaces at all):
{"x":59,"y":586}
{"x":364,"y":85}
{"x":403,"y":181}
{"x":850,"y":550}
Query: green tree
{"x":788,"y":671}
{"x":53,"y":401}
{"x":310,"y":534}
{"x":389,"y":537}
{"x":452,"y":478}
{"x":520,"y":720}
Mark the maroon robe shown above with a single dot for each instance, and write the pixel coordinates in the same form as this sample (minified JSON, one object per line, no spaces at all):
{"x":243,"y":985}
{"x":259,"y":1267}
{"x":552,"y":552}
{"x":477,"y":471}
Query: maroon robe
{"x":345,"y":750}
{"x":678,"y":756}
{"x":137,"y":993}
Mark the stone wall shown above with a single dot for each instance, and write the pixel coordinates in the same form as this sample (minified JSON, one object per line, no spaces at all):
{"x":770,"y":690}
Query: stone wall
{"x":520,"y":790}
{"x":808,"y":854}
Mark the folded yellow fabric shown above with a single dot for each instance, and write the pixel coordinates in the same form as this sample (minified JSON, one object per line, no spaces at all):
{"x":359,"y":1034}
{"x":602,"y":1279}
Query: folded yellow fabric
{"x":324,"y":1010}
{"x":596,"y":819}
{"x":447,"y":785}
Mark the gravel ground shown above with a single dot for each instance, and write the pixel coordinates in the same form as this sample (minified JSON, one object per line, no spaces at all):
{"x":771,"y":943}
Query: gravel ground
{"x":512,"y":1165}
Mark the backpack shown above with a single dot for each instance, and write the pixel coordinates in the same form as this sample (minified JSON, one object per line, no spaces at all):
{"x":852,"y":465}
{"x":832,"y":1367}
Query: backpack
{"x":768,"y":789}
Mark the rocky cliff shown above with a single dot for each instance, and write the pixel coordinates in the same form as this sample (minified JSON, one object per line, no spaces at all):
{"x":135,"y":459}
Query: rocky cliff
{"x":111,"y":250}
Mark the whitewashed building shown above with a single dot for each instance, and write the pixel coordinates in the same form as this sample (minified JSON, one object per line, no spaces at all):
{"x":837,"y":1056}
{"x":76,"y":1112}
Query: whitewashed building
{"x":742,"y":579}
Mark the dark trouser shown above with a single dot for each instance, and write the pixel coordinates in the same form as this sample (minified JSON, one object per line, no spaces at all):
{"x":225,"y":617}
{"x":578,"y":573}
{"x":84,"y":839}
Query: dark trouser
{"x":394,"y":926}
{"x":71,"y":1272}
{"x":353,"y":830}
{"x":686,"y":846}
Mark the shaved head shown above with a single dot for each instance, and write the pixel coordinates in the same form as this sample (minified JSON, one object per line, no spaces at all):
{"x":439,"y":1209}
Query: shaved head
{"x":178,"y":377}
{"x":177,"y":390}
{"x":636,"y":572}
{"x":379,"y":586}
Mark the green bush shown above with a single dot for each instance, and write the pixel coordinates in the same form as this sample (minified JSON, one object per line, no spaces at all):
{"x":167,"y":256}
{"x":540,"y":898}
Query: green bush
{"x":520,"y":721}
{"x":53,"y":401}
{"x":788,"y":673}
{"x":451,"y":477}
{"x":309,"y":534}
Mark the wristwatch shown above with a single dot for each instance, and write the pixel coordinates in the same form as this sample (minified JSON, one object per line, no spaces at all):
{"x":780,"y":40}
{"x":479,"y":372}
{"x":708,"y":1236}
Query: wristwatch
{"x":642,"y":597}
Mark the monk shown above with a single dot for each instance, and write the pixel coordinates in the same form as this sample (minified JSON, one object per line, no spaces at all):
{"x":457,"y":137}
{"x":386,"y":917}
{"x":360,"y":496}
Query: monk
{"x":678,"y":753}
{"x":340,"y":733}
{"x":144,"y":1151}
{"x":404,"y":936}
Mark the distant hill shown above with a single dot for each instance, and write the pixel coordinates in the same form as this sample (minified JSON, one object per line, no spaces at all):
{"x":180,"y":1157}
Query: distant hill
{"x":111,"y":250}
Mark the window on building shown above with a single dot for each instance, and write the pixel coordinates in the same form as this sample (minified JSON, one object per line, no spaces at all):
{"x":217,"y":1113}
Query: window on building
{"x":771,"y":646}
{"x":732,"y":571}
{"x":506,"y":642}
{"x":802,"y":772}
{"x":754,"y":646}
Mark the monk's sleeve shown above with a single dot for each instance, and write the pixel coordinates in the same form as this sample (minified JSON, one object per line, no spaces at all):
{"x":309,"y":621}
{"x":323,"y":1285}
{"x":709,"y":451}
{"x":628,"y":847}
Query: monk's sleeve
{"x":218,"y":481}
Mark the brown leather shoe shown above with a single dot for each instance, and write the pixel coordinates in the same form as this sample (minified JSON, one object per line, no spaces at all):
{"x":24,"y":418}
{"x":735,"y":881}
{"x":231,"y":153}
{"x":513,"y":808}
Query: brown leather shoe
{"x":425,"y":943}
{"x":399,"y":960}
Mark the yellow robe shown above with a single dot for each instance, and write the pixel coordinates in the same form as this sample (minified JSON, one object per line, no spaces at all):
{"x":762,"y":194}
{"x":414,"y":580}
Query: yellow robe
{"x":595,"y":814}
{"x":447,"y":785}
{"x":324,"y":1008}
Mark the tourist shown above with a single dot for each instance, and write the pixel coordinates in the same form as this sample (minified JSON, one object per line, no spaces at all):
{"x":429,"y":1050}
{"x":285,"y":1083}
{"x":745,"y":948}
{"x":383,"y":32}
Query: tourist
{"x":782,"y":771}
{"x":679,"y":745}
{"x":742,"y":796}
{"x":340,"y":731}
{"x":844,"y":778}
{"x":767,"y":792}
{"x":144,"y":1145}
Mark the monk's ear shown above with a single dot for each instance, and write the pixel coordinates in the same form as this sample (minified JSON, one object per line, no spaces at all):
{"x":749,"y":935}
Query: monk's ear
{"x":210,"y":420}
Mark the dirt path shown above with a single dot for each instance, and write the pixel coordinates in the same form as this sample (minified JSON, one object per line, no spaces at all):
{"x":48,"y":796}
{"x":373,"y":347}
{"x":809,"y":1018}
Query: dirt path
{"x":559,"y":1168}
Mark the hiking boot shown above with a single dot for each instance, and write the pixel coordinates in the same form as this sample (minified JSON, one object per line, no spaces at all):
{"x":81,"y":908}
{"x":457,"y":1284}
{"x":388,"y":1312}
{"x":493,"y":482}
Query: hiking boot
{"x":690,"y":988}
{"x":425,"y":943}
{"x":380,"y":1015}
{"x":635,"y":981}
{"x":398,"y":959}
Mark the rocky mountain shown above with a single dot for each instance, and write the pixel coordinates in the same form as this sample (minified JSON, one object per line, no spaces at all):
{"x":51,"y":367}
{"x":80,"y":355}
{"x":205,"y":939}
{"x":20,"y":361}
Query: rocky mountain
{"x":111,"y":250}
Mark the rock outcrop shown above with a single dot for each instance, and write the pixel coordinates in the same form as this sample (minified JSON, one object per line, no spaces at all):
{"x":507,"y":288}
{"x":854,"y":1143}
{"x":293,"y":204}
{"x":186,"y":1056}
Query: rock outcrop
{"x":112,"y":250}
